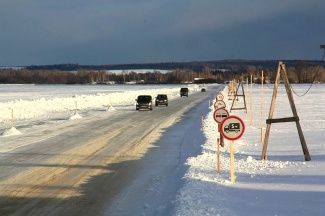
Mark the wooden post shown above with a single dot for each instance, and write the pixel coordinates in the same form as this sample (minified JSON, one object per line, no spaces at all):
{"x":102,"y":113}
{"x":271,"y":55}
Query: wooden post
{"x":232,"y":162}
{"x":281,"y":68}
{"x":268,"y":125}
{"x":218,"y":154}
{"x":262,"y":100}
{"x":295,"y":114}
{"x":250,"y":104}
{"x":246,"y":91}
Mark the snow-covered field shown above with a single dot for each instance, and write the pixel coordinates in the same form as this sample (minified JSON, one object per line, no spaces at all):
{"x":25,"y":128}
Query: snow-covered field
{"x":285,"y":184}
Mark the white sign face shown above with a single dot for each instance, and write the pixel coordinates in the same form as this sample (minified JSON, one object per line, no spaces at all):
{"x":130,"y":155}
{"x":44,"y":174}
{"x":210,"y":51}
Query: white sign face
{"x":220,"y":114}
{"x":232,"y":128}
{"x":219,"y":97}
{"x":219,"y":104}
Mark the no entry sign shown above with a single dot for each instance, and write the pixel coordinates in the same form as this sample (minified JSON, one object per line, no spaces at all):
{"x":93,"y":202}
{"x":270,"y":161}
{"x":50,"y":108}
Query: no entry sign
{"x":220,"y":114}
{"x":232,"y":128}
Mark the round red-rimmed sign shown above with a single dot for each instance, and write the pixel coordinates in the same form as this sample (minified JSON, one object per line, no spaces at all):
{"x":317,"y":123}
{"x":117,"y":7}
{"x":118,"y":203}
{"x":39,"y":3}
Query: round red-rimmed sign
{"x":220,"y":114}
{"x":219,"y":104}
{"x":232,"y":128}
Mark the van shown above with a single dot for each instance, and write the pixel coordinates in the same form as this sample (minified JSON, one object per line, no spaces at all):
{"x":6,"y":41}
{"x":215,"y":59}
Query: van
{"x":144,"y":102}
{"x":184,"y":92}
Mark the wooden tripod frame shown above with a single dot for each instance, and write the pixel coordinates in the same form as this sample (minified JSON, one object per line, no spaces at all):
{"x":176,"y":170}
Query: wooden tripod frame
{"x":295,"y":118}
{"x":236,"y":98}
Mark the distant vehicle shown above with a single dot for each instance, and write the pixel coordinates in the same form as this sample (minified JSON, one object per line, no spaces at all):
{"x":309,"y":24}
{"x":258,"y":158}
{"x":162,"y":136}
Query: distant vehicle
{"x":144,"y":102}
{"x":184,"y":92}
{"x":161,"y":99}
{"x":202,"y":89}
{"x":232,"y":127}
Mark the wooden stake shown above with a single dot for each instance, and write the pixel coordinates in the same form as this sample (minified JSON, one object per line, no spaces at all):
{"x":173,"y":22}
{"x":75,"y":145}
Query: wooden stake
{"x":262,"y":100}
{"x":246,"y":91}
{"x":250,"y":104}
{"x":232,"y":162}
{"x":218,"y":154}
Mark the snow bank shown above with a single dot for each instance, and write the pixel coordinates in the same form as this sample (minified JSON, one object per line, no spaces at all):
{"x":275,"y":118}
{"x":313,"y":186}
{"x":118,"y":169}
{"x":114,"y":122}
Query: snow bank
{"x":284,"y":184}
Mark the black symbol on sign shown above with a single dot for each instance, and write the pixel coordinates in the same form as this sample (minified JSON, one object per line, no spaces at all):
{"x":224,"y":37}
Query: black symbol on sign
{"x":232,"y":127}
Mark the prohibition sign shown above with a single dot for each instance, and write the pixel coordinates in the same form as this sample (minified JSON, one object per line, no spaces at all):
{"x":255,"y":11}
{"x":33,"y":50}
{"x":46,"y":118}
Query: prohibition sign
{"x":220,"y":114}
{"x":232,"y":128}
{"x":219,"y":104}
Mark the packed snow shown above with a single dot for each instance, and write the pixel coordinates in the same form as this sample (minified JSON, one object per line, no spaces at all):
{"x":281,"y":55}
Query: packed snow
{"x":285,"y":184}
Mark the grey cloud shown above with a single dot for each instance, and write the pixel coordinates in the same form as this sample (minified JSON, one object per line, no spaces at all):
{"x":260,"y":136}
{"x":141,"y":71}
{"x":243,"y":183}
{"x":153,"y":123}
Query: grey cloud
{"x":120,"y":31}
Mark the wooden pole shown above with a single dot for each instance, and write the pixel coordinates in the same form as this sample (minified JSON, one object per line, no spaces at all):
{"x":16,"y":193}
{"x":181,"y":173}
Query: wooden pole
{"x":246,"y":91}
{"x":262,"y":100}
{"x":218,"y":153}
{"x":232,"y":162}
{"x":295,"y":114}
{"x":250,"y":104}
{"x":268,"y":125}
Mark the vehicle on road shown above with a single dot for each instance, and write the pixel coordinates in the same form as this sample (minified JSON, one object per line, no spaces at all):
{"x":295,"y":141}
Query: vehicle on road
{"x":202,"y":89}
{"x":184,"y":92}
{"x":161,"y":99}
{"x":144,"y":102}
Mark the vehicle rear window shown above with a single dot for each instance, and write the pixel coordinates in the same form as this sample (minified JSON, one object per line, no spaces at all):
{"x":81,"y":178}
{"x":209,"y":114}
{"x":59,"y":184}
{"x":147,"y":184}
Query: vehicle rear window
{"x":144,"y":98}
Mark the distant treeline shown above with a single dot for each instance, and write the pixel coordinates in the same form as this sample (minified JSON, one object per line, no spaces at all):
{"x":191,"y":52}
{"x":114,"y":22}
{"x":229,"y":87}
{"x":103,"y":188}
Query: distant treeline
{"x":197,"y":66}
{"x":210,"y":72}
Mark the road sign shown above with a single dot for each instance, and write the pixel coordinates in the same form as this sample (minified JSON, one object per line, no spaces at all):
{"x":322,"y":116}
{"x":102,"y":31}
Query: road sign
{"x":219,"y":104}
{"x":220,"y":114}
{"x":219,"y":97}
{"x":232,"y":128}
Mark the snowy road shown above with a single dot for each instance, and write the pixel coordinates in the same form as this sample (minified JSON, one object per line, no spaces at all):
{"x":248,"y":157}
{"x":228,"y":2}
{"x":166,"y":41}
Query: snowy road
{"x":123,"y":163}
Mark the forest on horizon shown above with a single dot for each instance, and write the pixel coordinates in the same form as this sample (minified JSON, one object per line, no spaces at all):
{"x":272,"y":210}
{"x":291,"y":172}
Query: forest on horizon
{"x":299,"y":71}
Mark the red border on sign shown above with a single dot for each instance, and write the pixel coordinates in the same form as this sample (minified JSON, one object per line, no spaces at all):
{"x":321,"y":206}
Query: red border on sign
{"x":214,"y":114}
{"x":241,"y":131}
{"x":214,"y":105}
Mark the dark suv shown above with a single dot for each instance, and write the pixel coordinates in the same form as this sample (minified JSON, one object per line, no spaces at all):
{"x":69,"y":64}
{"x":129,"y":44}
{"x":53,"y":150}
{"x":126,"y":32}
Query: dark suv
{"x":184,"y":92}
{"x":161,"y":99}
{"x":144,"y":102}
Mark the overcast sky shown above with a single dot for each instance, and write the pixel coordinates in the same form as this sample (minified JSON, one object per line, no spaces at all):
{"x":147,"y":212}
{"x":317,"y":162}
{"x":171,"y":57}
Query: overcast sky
{"x":38,"y":32}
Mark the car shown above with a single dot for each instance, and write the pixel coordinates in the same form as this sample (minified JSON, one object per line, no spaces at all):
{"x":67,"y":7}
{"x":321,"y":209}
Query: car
{"x":161,"y":99}
{"x":184,"y":92}
{"x":202,"y":89}
{"x":144,"y":102}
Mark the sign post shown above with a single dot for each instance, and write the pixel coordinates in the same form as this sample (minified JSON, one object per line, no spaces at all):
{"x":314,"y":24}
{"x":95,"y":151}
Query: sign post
{"x":232,"y":128}
{"x":219,"y":115}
